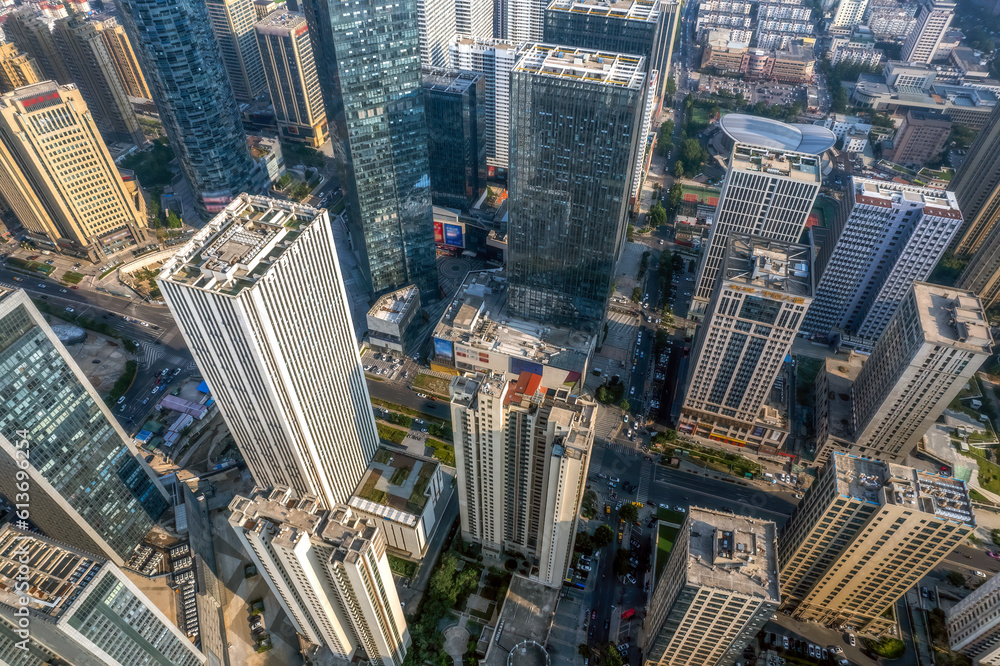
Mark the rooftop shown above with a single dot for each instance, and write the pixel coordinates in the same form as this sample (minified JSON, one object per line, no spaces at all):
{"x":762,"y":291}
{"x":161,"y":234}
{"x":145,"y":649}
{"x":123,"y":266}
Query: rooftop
{"x":395,"y":486}
{"x":525,"y":390}
{"x":528,"y":610}
{"x":953,"y":317}
{"x":485,"y":42}
{"x":585,"y":65}
{"x":773,"y":265}
{"x":447,"y":80}
{"x":281,"y":21}
{"x":797,"y":166}
{"x":886,"y":193}
{"x":841,"y":374}
{"x":392,"y":307}
{"x":239,"y":245}
{"x":733,"y":553}
{"x":636,"y":10}
{"x":883,"y":483}
{"x":768,"y":133}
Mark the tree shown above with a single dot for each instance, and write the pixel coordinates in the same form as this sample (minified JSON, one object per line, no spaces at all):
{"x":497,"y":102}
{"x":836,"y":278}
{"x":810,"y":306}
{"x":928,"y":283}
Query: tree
{"x":678,"y":169}
{"x":995,"y":537}
{"x":675,"y":196}
{"x":584,"y":650}
{"x":621,"y":565}
{"x":636,"y":295}
{"x":657,"y":215}
{"x":173,"y":222}
{"x":628,"y":513}
{"x":603,"y":535}
{"x":955,"y":578}
{"x":584,"y":543}
{"x":624,"y":405}
{"x":671,"y":87}
{"x":629,"y":232}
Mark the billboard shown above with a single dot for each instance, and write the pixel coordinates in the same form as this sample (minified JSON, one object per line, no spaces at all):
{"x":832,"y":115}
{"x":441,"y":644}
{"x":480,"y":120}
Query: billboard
{"x":438,"y":232}
{"x":454,"y":235}
{"x":519,"y":365}
{"x":443,"y":349}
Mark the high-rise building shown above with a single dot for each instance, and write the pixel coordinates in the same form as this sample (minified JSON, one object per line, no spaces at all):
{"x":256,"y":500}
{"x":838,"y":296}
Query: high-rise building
{"x":187,"y":78}
{"x":576,"y":118}
{"x":290,"y":70}
{"x":865,"y":533}
{"x":329,"y":571}
{"x":456,"y":125}
{"x":474,"y":19}
{"x":31,"y":32}
{"x":122,"y":55}
{"x":80,"y":608}
{"x":920,"y":138}
{"x":934,"y":343}
{"x":435,"y":27}
{"x":262,"y":8}
{"x":88,"y":487}
{"x":933,"y":19}
{"x":232,"y":23}
{"x":887,"y":236}
{"x":640,"y":26}
{"x":523,"y":21}
{"x":977,"y":189}
{"x":16,"y":69}
{"x":849,"y":13}
{"x":92,"y":68}
{"x":774,"y":173}
{"x":58,"y":177}
{"x":380,"y":139}
{"x":260,"y":299}
{"x":974,"y":624}
{"x":521,"y":453}
{"x":494,"y":59}
{"x":714,"y":592}
{"x":763,"y":292}
{"x":982,"y":275}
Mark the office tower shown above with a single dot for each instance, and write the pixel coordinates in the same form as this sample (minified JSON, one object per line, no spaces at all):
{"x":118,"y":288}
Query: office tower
{"x":380,"y":140}
{"x":934,"y":343}
{"x":763,"y":292}
{"x":524,"y":21}
{"x":290,"y":70}
{"x":849,"y":13}
{"x":122,"y":55}
{"x":933,"y":19}
{"x":774,"y":173}
{"x":977,"y":188}
{"x":474,"y":19}
{"x":435,"y":26}
{"x":262,"y":8}
{"x":87,"y":486}
{"x":521,"y":453}
{"x":456,"y":128}
{"x":92,"y":68}
{"x":185,"y":73}
{"x":74,"y":202}
{"x":715,"y":591}
{"x":974,"y":624}
{"x":920,"y":138}
{"x":329,"y":571}
{"x":576,"y":117}
{"x":866,"y":532}
{"x":259,"y":297}
{"x":80,"y":608}
{"x":639,"y":26}
{"x":232,"y":23}
{"x":494,"y":59}
{"x":31,"y":32}
{"x":887,"y":236}
{"x":16,"y":69}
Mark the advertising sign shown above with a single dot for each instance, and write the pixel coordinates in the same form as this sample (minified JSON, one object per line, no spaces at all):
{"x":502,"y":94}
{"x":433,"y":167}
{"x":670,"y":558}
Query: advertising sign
{"x":443,"y":349}
{"x":438,"y":232}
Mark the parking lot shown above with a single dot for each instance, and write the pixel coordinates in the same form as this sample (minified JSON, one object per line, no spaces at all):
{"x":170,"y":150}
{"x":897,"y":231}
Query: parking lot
{"x":387,"y":365}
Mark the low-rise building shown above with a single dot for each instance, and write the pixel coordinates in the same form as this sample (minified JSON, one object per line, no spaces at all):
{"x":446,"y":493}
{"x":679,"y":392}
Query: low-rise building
{"x":920,"y":138}
{"x":390,"y":321}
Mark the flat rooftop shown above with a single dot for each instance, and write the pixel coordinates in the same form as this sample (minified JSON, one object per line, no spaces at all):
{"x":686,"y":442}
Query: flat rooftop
{"x":281,"y":22}
{"x":486,"y":42}
{"x":883,"y":483}
{"x":584,"y":65}
{"x":392,"y":307}
{"x":733,"y":553}
{"x":789,"y":164}
{"x":953,"y":317}
{"x":772,"y":265}
{"x":395,"y":486}
{"x":769,"y":133}
{"x":239,"y":245}
{"x":447,"y":80}
{"x":633,"y":10}
{"x":886,"y":194}
{"x":528,"y":610}
{"x":841,"y":374}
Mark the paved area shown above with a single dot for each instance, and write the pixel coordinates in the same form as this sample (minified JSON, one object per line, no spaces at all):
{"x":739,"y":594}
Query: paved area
{"x":455,"y":641}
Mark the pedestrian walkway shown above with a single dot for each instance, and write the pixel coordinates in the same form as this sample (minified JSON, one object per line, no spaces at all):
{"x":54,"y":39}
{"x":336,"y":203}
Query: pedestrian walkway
{"x":645,"y":482}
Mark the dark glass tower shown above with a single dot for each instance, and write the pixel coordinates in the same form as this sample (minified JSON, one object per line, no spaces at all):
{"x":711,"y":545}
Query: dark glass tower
{"x":85,"y":485}
{"x":368,"y":61}
{"x":183,"y":65}
{"x":456,"y":122}
{"x":575,"y":121}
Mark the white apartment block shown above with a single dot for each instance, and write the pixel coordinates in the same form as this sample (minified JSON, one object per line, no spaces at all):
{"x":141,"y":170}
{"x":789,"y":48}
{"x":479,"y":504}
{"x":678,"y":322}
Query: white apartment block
{"x":260,"y":299}
{"x":794,"y":11}
{"x":474,"y":18}
{"x":524,"y":21}
{"x":849,"y":13}
{"x":855,"y":141}
{"x":933,"y":19}
{"x":494,"y":58}
{"x":763,"y":293}
{"x":717,"y":589}
{"x":891,"y":23}
{"x":857,"y":53}
{"x":329,"y":571}
{"x":841,"y":124}
{"x":436,"y":21}
{"x":521,"y":454}
{"x":974,"y":624}
{"x":638,"y":173}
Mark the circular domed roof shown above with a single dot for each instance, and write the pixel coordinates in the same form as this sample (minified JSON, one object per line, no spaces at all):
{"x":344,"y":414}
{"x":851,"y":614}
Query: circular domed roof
{"x":768,"y":133}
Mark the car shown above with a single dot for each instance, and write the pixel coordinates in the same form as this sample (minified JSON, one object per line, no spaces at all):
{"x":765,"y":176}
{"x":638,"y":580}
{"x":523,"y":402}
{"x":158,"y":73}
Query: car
{"x":618,"y":508}
{"x":825,"y":653}
{"x":631,"y":391}
{"x":41,"y":286}
{"x":835,"y":649}
{"x":623,"y":648}
{"x":122,"y":408}
{"x":994,"y":555}
{"x":70,"y":310}
{"x":799,"y":495}
{"x":923,"y":592}
{"x":121,"y":400}
{"x":680,"y":509}
{"x":625,"y":418}
{"x":979,"y":574}
{"x":593,"y":615}
{"x":811,"y":651}
{"x":156,"y":389}
{"x":630,"y":578}
{"x":851,"y":640}
{"x":614,"y":479}
{"x":784,"y":642}
{"x":63,"y":291}
{"x":607,"y":623}
{"x":591,"y":631}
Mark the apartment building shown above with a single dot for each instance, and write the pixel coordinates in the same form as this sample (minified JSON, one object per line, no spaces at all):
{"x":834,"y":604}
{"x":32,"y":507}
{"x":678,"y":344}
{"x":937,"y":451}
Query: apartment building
{"x":974,"y":624}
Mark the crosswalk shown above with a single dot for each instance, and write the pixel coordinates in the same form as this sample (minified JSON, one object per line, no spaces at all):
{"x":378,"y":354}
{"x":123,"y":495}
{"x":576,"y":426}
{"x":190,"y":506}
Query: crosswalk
{"x":149,"y":354}
{"x":645,"y":482}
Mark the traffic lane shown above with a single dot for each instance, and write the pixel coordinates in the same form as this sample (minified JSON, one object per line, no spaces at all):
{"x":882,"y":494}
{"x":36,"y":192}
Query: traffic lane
{"x":674,"y":487}
{"x":402,"y":395}
{"x":968,"y":559}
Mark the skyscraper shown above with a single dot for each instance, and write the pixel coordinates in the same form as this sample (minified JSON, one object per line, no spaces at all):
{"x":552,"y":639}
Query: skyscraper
{"x":186,"y":75}
{"x":977,"y":189}
{"x":714,"y":592}
{"x":576,"y":117}
{"x":933,"y":19}
{"x":888,"y":236}
{"x":380,"y":139}
{"x":982,"y":275}
{"x":864,"y":535}
{"x":474,"y":18}
{"x":329,"y":571}
{"x":88,"y":487}
{"x":232,"y":23}
{"x":259,"y":297}
{"x":17,"y":69}
{"x":122,"y":55}
{"x":290,"y":69}
{"x":59,"y":178}
{"x":31,"y":32}
{"x":974,"y":624}
{"x":774,"y":174}
{"x":521,"y":453}
{"x":456,"y":123}
{"x":523,"y":21}
{"x":934,"y":343}
{"x":763,"y":292}
{"x":81,"y":608}
{"x":494,"y":59}
{"x":435,"y":27}
{"x":640,"y":26}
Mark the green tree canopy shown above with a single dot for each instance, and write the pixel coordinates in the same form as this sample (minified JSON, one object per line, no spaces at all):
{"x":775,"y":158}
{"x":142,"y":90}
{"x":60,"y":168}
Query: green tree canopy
{"x":603,"y":535}
{"x":629,"y":513}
